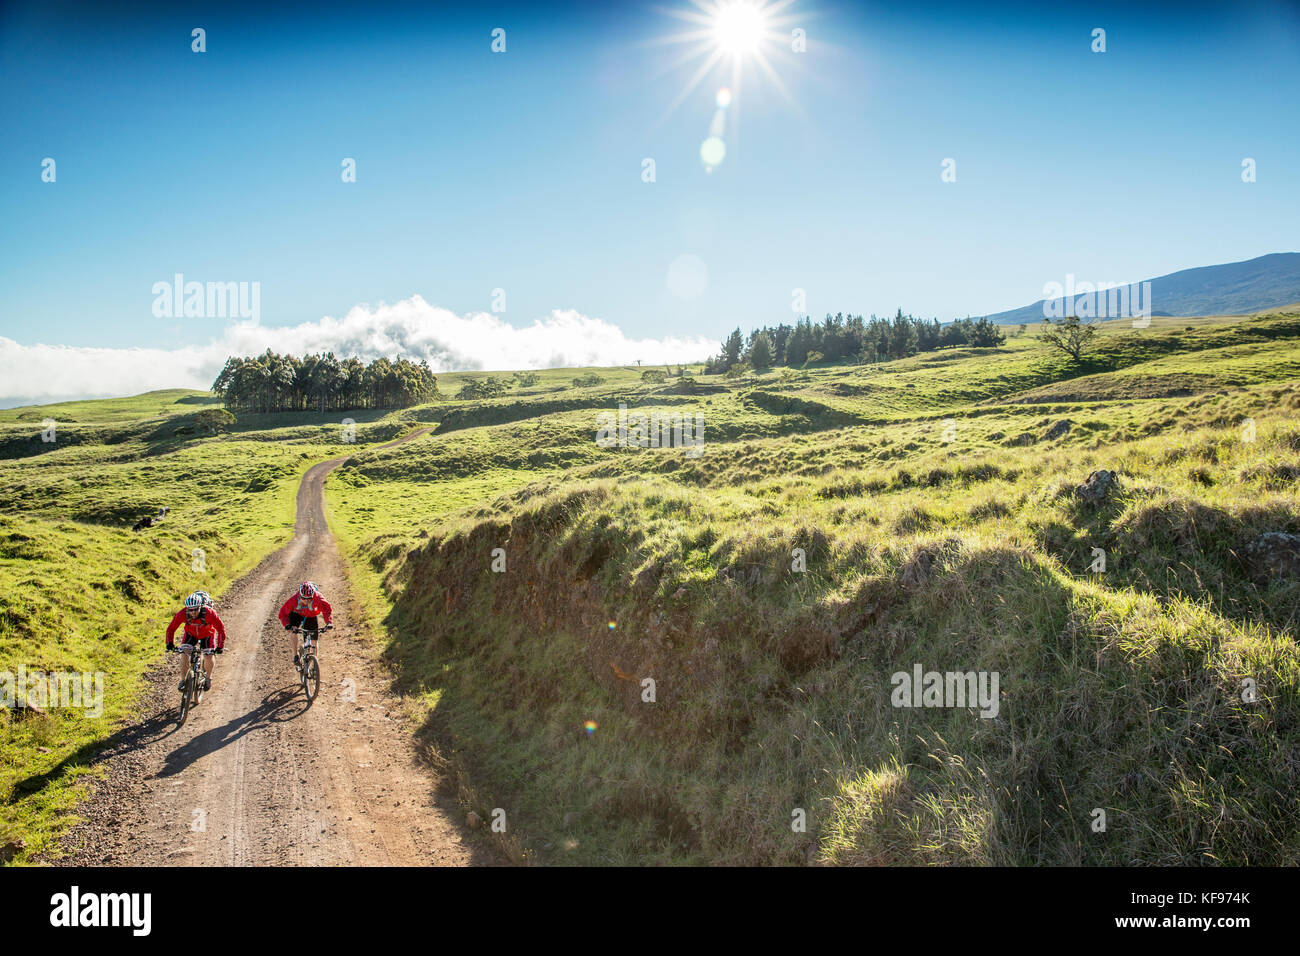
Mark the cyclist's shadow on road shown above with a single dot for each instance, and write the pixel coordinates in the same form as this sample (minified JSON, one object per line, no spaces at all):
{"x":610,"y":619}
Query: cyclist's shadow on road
{"x":279,"y":706}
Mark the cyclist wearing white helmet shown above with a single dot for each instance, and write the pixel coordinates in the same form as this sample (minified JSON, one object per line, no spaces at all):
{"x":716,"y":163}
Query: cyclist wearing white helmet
{"x":302,"y":609}
{"x":202,"y":628}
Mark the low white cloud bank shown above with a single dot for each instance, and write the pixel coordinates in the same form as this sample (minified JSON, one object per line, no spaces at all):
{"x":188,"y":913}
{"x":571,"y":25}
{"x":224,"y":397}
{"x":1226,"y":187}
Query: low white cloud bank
{"x":411,"y":329}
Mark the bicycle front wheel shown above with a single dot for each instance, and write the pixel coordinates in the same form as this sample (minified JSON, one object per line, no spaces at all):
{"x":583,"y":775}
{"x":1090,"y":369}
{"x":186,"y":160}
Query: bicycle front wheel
{"x":186,"y":696}
{"x":311,"y":677}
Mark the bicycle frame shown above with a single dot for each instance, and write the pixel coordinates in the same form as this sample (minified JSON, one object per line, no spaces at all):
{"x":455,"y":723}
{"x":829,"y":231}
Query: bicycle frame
{"x":192,"y":693}
{"x":306,"y":638}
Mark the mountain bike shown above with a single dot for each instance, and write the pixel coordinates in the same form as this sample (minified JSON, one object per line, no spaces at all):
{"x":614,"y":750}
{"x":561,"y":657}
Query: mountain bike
{"x":308,"y":665}
{"x":192,"y":687}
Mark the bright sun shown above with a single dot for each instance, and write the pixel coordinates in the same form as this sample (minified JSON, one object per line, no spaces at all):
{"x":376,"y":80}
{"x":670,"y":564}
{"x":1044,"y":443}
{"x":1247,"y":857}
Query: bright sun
{"x":738,"y":27}
{"x":727,"y":40}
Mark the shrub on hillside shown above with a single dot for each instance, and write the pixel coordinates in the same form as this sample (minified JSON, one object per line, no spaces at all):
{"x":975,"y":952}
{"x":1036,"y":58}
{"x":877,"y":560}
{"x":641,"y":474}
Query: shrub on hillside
{"x":214,"y":420}
{"x":489,"y":387}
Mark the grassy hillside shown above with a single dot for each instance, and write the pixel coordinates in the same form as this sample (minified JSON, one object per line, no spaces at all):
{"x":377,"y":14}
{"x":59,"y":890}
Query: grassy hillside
{"x":81,"y":592}
{"x":150,"y":405}
{"x":935,"y":503}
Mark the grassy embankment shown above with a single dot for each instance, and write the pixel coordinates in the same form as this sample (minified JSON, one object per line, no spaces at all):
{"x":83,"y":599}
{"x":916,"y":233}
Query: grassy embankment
{"x":934,"y":501}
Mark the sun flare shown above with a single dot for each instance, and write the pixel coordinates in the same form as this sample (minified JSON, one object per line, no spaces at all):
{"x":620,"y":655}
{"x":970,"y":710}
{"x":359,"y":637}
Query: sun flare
{"x":728,"y":40}
{"x":739,"y":27}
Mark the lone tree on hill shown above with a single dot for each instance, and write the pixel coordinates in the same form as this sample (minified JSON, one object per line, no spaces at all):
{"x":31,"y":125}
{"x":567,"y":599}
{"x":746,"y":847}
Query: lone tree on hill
{"x":1069,"y":335}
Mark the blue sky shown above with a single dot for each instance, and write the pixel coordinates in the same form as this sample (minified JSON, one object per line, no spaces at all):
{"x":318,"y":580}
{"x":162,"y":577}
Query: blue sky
{"x":522,"y":171}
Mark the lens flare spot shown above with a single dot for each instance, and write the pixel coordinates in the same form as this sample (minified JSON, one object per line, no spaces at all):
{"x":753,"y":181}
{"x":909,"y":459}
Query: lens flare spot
{"x":723,"y":98}
{"x":590,"y":727}
{"x":713,"y":151}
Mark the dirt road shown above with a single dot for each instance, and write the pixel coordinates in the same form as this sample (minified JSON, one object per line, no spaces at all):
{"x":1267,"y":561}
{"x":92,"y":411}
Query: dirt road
{"x":256,"y":776}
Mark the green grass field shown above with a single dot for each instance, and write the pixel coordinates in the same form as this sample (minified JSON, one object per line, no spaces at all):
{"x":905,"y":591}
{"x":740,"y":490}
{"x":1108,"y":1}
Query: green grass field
{"x":837,"y":526}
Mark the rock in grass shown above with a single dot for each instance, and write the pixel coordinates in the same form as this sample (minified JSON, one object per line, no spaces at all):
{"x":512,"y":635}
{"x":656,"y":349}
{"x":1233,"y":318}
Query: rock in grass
{"x":1098,"y":487}
{"x":473,"y":820}
{"x":1274,"y":554}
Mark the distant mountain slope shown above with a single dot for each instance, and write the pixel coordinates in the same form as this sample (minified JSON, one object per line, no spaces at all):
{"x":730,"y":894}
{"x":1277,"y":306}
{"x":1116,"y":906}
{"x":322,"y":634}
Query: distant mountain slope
{"x":1233,"y":288}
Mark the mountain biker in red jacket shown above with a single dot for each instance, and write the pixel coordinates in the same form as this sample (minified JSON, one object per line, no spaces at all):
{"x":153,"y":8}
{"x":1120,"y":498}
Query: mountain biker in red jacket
{"x":202,"y":628}
{"x":302,"y":609}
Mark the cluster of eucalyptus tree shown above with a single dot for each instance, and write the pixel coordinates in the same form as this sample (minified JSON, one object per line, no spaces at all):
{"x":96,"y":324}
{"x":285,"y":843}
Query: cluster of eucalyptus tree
{"x":845,"y":338}
{"x":286,"y":383}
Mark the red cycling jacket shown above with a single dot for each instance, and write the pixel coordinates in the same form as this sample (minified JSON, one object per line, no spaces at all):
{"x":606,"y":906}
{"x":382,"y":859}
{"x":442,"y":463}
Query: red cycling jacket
{"x":307,"y":607}
{"x":208,"y":625}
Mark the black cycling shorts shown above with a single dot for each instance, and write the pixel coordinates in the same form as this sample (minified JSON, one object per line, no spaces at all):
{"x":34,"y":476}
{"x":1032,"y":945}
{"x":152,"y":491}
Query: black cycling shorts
{"x":309,"y":623}
{"x":203,"y":642}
